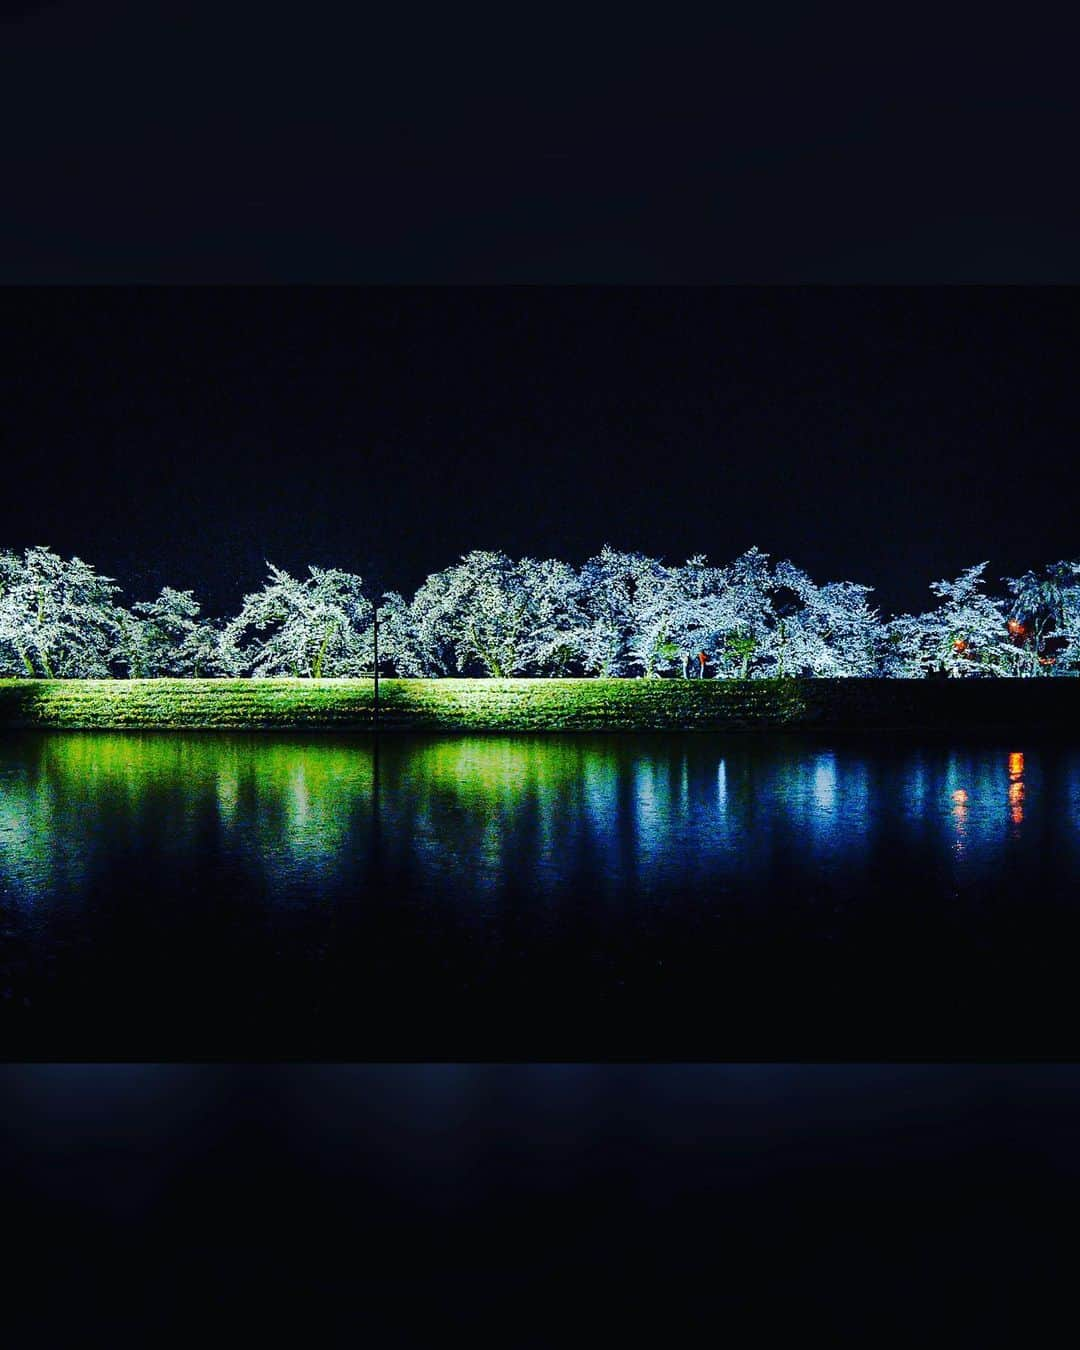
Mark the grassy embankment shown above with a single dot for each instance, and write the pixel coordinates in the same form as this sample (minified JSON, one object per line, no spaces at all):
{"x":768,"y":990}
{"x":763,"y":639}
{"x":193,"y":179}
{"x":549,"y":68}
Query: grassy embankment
{"x":538,"y":705}
{"x":437,"y":705}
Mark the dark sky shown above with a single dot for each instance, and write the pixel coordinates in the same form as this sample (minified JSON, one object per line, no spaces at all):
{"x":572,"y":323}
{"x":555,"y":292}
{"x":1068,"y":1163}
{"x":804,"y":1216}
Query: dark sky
{"x":891,"y":436}
{"x":253,"y":141}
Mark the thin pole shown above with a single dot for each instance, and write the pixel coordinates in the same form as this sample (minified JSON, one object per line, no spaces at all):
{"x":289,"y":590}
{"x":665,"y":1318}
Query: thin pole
{"x":376,"y":634}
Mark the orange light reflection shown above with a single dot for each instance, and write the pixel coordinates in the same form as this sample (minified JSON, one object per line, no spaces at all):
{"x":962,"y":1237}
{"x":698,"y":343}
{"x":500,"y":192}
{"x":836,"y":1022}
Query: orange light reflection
{"x":1016,"y":788}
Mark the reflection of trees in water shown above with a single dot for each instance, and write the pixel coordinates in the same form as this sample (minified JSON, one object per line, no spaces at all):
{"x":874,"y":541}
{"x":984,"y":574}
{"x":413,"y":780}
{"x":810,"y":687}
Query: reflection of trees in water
{"x":615,"y":811}
{"x":310,"y":805}
{"x":35,"y":853}
{"x":83,"y":800}
{"x":487,"y":807}
{"x":496,"y":813}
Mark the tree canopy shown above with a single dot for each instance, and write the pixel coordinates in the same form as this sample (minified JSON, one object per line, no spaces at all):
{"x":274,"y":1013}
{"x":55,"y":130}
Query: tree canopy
{"x":619,"y":614}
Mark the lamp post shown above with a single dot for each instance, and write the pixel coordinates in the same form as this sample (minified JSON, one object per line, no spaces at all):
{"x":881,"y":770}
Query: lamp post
{"x":375,"y":634}
{"x":376,"y":601}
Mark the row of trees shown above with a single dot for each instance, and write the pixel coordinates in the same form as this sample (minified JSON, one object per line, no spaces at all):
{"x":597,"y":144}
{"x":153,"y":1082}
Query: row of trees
{"x":621,"y":614}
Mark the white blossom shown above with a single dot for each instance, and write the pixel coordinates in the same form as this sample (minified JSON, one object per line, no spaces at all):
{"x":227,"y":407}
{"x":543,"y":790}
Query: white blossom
{"x":623,"y":617}
{"x":964,"y":636}
{"x":619,"y":614}
{"x":58,"y":619}
{"x":315,"y":627}
{"x":167,"y":636}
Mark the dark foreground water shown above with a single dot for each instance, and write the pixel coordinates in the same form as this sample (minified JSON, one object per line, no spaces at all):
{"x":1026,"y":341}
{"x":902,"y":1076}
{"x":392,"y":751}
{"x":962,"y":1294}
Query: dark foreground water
{"x":675,"y":896}
{"x":539,"y":1205}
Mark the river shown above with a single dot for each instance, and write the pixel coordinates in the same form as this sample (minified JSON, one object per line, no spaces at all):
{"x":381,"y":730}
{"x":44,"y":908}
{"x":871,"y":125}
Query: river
{"x":660,"y":896}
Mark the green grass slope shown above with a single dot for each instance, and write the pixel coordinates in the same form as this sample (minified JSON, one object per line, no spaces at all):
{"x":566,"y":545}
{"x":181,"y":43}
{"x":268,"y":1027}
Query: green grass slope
{"x":438,"y":705}
{"x":539,"y":705}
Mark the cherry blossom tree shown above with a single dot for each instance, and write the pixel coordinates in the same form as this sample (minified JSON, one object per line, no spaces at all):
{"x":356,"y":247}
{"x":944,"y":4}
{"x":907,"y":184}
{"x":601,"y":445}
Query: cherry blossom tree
{"x":828,"y":630}
{"x":13,"y":656}
{"x":624,"y":618}
{"x":309,"y":628}
{"x":964,"y":636}
{"x":401,"y":645}
{"x":58,"y":618}
{"x":1040,"y":615}
{"x":1069,"y":657}
{"x":747,"y":584}
{"x":698,"y":611}
{"x":473,"y":614}
{"x":556,"y":616}
{"x":170,"y":638}
{"x":620,"y":614}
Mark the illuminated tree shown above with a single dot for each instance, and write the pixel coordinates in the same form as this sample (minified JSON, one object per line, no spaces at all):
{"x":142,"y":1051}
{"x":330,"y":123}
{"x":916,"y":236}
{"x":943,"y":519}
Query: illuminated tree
{"x":621,"y":614}
{"x":475,"y":614}
{"x":168,"y":637}
{"x":828,"y":630}
{"x":747,"y":583}
{"x":699,"y":611}
{"x":556,"y":617}
{"x":58,"y":619}
{"x":964,"y":636}
{"x":624,"y":617}
{"x":400,"y":643}
{"x":653,"y":647}
{"x":1069,"y":632}
{"x":13,"y":657}
{"x":315,"y":627}
{"x":901,"y":654}
{"x":1041,"y":614}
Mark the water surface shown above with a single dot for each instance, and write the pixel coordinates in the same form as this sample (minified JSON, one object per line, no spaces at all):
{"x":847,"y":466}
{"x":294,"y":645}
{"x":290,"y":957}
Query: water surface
{"x":650,"y":896}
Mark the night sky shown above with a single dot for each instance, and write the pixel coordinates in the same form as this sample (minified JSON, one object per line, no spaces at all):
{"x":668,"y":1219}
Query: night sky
{"x":891,"y":436}
{"x":247,"y":141}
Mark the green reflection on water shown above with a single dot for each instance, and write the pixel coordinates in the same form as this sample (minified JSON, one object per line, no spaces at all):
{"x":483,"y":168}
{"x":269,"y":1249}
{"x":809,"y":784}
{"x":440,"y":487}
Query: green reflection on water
{"x":494,"y":811}
{"x":66,"y":799}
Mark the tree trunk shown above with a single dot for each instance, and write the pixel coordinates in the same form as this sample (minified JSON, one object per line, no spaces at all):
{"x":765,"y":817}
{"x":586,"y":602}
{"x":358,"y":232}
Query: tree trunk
{"x":317,"y":670}
{"x":40,"y":620}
